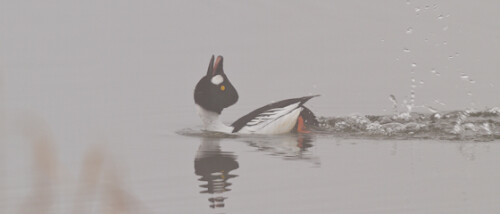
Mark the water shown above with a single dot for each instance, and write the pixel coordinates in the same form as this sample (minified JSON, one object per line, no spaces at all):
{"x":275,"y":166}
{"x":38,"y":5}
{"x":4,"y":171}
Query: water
{"x":97,"y":112}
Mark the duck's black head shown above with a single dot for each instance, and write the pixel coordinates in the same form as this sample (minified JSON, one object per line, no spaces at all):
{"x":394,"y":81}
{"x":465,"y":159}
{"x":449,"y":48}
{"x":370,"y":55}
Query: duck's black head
{"x":214,"y":92}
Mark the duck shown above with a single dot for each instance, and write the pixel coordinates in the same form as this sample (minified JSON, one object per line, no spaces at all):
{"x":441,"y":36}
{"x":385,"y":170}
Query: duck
{"x":214,"y":92}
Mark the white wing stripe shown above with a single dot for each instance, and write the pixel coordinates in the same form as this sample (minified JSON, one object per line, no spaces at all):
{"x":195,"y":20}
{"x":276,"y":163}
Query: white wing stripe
{"x":267,"y":117}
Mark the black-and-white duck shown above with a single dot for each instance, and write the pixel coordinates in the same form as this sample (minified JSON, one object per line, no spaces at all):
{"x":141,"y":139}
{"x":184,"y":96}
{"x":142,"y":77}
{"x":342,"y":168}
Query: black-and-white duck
{"x":214,"y":92}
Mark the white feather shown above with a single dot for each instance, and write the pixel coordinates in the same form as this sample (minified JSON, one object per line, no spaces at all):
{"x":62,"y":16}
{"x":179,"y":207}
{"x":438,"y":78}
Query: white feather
{"x":211,"y":121}
{"x":217,"y":79}
{"x":274,"y":121}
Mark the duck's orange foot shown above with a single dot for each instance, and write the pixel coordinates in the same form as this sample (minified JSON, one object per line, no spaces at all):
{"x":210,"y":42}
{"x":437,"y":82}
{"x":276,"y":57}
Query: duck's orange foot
{"x":301,"y":128}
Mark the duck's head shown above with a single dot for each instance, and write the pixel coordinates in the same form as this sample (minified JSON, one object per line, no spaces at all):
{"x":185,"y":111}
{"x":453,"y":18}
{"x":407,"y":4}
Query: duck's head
{"x":214,"y":92}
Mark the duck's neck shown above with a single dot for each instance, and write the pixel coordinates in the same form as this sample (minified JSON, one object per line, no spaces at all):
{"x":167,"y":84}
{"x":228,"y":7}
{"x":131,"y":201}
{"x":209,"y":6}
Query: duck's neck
{"x":211,"y":121}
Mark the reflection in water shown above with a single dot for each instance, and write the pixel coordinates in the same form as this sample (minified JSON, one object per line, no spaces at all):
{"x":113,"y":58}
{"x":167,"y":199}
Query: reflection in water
{"x":289,"y":147}
{"x":214,"y":167}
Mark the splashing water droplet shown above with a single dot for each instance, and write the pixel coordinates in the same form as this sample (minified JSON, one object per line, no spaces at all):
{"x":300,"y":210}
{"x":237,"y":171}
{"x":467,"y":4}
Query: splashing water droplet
{"x":472,"y":81}
{"x":433,"y":71}
{"x":413,"y":65}
{"x":450,"y":57}
{"x":445,"y":28}
{"x":409,"y":30}
{"x":417,"y":10}
{"x":406,"y":50}
{"x":392,"y":98}
{"x":440,"y":17}
{"x":464,"y":76}
{"x":439,"y":102}
{"x":421,"y":82}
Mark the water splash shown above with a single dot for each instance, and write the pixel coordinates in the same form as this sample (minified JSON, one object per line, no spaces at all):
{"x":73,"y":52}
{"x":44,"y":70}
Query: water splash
{"x":452,"y":125}
{"x":395,"y":104}
{"x":439,"y":102}
{"x":409,"y":30}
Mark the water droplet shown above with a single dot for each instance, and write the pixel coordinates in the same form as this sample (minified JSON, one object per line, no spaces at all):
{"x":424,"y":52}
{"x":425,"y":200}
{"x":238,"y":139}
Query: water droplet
{"x":433,"y":71}
{"x":457,"y":54}
{"x":421,"y":82}
{"x":408,"y":2}
{"x":413,"y":80}
{"x":406,"y":50}
{"x":472,"y":81}
{"x":464,"y":76}
{"x":417,"y":10}
{"x":392,"y":98}
{"x":409,"y":30}
{"x":440,"y":17}
{"x":445,"y":28}
{"x":439,"y":102}
{"x":413,"y":65}
{"x":438,"y":74}
{"x":469,"y":93}
{"x":445,"y":43}
{"x":450,"y":57}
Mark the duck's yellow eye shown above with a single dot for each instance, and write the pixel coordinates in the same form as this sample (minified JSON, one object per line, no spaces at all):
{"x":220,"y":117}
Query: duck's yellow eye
{"x":222,"y":87}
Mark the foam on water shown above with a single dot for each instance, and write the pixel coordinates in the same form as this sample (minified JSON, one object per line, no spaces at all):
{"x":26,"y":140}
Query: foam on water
{"x":452,"y":125}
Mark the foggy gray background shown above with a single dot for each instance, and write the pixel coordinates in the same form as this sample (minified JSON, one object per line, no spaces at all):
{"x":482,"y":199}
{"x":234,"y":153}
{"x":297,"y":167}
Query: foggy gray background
{"x":350,"y":52}
{"x":122,"y":73}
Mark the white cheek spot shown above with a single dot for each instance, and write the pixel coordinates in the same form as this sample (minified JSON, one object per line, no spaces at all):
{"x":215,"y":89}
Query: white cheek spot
{"x":217,"y":79}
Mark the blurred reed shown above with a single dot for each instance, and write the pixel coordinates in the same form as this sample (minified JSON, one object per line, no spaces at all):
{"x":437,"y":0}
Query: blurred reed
{"x":98,"y":188}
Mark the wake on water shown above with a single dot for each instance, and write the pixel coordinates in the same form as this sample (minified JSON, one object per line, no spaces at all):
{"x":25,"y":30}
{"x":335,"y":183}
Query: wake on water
{"x":467,"y":125}
{"x":452,"y":125}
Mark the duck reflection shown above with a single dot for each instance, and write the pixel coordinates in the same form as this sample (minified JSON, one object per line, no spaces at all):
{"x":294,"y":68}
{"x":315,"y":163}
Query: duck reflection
{"x":214,"y":167}
{"x":289,"y":147}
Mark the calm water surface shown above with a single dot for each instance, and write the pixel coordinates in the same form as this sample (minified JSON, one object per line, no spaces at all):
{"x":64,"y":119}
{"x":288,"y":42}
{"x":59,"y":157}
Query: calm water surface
{"x":188,"y":171}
